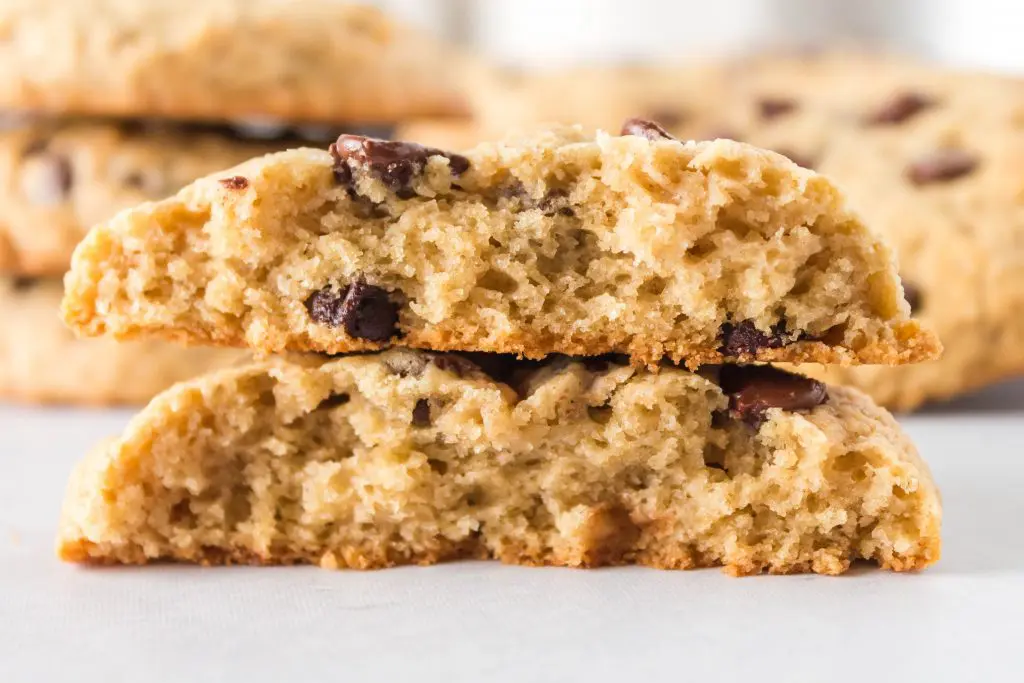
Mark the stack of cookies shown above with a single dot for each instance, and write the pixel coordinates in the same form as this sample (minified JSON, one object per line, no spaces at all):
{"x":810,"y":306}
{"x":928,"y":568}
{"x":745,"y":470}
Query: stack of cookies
{"x":553,"y":349}
{"x":131,"y":101}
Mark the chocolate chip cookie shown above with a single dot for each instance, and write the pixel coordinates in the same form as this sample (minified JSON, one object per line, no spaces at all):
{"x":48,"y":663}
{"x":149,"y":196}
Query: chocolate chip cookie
{"x":190,"y":59}
{"x":410,"y":457}
{"x":58,"y":178}
{"x":556,"y":243}
{"x":42,"y":362}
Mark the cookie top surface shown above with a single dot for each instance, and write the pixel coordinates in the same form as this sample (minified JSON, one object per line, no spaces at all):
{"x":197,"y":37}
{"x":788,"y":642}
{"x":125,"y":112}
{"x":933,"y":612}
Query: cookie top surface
{"x":559,"y":242}
{"x":188,"y":59}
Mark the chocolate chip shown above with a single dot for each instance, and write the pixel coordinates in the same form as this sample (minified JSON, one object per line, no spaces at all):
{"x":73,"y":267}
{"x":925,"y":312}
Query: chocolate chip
{"x":753,"y":389}
{"x":396,"y":164}
{"x":333,"y":401}
{"x":324,"y":306}
{"x":773,"y":107}
{"x":941,"y":166}
{"x":913,"y":295}
{"x":369,"y":313}
{"x":456,"y":364}
{"x":23,"y":283}
{"x":421,"y":413}
{"x":502,"y":367}
{"x":556,"y":201}
{"x":744,"y":337}
{"x":35,"y":147}
{"x":235,"y":182}
{"x":364,"y":310}
{"x":47,"y":178}
{"x":643,"y":128}
{"x":134,"y":180}
{"x":513,"y":190}
{"x":899,"y":108}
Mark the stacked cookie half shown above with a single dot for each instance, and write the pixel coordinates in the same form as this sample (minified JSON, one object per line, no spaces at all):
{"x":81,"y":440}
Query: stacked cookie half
{"x":133,"y":100}
{"x":548,"y":350}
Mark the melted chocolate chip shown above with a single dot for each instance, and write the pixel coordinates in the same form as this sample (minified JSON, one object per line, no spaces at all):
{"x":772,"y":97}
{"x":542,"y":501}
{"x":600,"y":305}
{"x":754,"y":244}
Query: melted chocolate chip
{"x":333,"y":401}
{"x":396,"y":164}
{"x":235,"y":182}
{"x":913,"y":295}
{"x":369,"y":313}
{"x":942,"y":166}
{"x":643,"y":128}
{"x":773,"y":107}
{"x":753,"y":389}
{"x":744,"y":337}
{"x":365,"y":311}
{"x":502,"y":367}
{"x":421,"y":413}
{"x":899,"y":108}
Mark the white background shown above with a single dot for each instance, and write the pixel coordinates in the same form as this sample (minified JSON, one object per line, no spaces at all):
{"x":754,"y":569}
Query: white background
{"x":552,"y":33}
{"x":958,"y":621}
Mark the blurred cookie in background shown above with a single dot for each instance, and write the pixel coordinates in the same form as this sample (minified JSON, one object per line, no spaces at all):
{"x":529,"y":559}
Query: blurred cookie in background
{"x":42,"y":362}
{"x":59,"y":177}
{"x":314,"y":60}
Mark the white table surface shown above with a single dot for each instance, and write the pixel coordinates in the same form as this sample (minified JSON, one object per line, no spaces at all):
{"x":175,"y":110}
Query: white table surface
{"x":475,"y":621}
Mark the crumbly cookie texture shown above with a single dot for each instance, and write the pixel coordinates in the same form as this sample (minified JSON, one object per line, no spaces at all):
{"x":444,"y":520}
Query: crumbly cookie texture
{"x":557,"y":243}
{"x":42,"y":362}
{"x":931,"y":158}
{"x":405,"y":457}
{"x":59,"y":178}
{"x":316,"y":60}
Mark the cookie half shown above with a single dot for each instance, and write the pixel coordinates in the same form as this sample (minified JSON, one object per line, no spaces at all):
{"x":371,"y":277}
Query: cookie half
{"x":410,"y":457}
{"x":42,"y":362}
{"x":557,"y":243}
{"x":189,"y":59}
